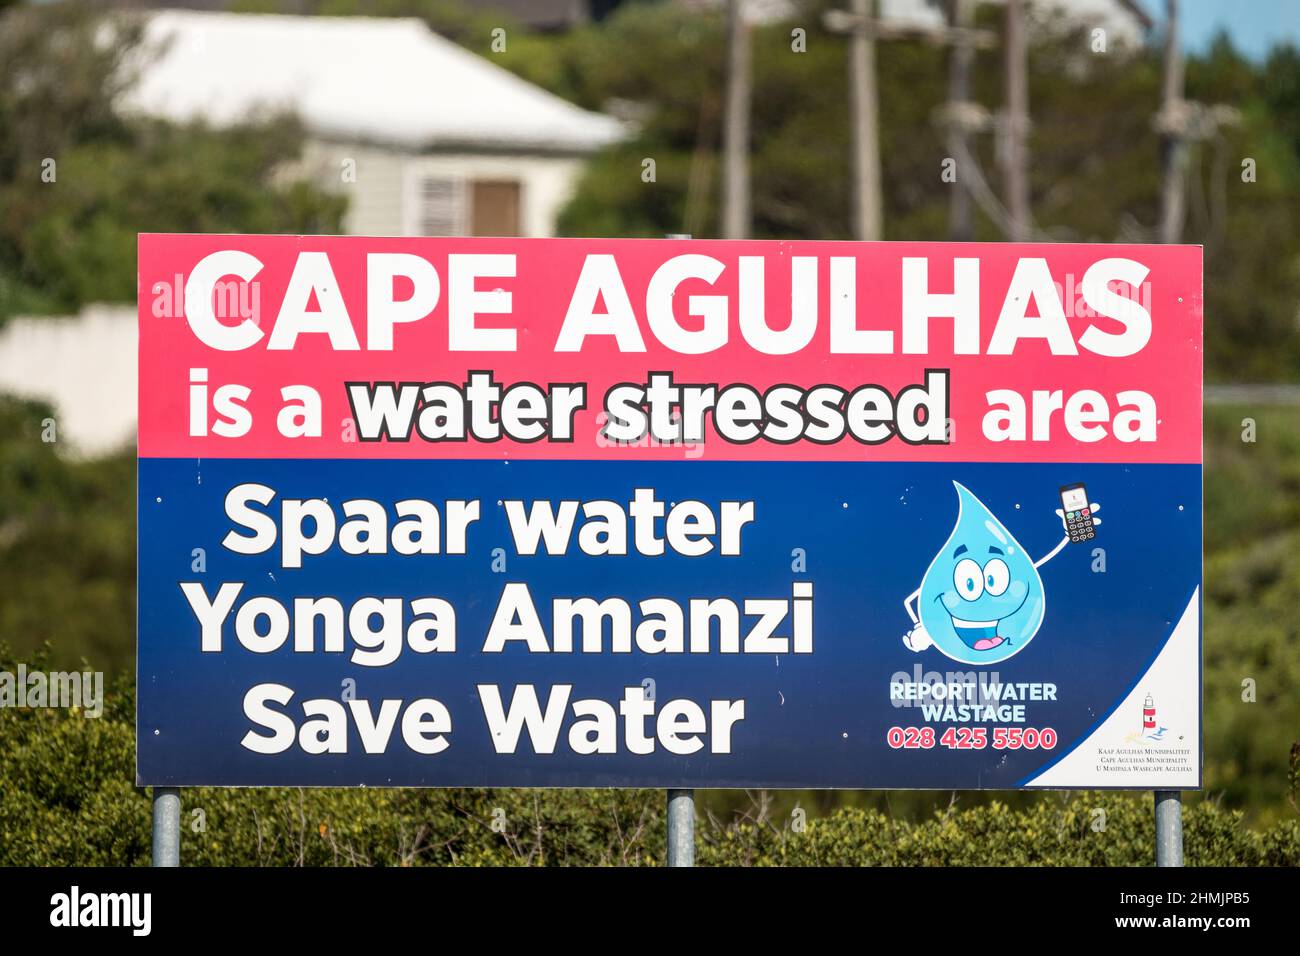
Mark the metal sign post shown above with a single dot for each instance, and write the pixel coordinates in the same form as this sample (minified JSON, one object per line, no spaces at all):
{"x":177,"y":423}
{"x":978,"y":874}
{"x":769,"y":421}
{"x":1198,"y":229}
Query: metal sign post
{"x":681,"y":803}
{"x":166,"y":826}
{"x":1169,"y":828}
{"x":681,"y":827}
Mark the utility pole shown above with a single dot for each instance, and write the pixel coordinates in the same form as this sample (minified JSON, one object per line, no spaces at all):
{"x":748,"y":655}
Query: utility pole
{"x":1172,"y":123}
{"x":865,"y":112}
{"x":735,"y":141}
{"x":863,"y":30}
{"x":962,"y":57}
{"x":1015,"y":177}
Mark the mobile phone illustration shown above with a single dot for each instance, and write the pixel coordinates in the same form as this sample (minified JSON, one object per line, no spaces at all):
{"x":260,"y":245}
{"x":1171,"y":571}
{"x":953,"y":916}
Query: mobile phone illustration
{"x":1078,"y":514}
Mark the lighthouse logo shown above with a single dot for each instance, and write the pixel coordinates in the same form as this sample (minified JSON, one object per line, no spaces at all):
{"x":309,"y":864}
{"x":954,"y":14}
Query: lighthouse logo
{"x":1151,"y":729}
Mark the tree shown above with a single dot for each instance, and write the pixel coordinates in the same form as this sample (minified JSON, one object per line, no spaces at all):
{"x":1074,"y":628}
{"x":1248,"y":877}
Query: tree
{"x":78,"y":181}
{"x":67,"y":544}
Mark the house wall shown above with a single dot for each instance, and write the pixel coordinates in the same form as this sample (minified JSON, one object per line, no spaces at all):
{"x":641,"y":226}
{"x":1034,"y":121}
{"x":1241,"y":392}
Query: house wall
{"x":85,"y":366}
{"x":384,"y":198}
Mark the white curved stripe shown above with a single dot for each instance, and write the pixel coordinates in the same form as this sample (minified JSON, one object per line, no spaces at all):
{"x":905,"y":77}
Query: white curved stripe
{"x":1119,"y":753}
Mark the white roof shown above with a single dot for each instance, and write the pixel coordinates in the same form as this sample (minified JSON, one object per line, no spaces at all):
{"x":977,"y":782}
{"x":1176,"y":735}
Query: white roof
{"x":1112,"y":14}
{"x":378,"y":80}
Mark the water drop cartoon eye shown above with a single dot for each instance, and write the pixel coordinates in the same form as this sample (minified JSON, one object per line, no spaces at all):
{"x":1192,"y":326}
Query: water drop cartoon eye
{"x":996,"y":577}
{"x":968,"y":579}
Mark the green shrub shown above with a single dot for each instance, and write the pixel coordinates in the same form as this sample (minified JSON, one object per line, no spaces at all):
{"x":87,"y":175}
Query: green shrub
{"x":66,"y":798}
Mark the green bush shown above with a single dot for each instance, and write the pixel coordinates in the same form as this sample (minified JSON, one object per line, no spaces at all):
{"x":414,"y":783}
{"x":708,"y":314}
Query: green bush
{"x":66,"y":798}
{"x":1085,"y":829}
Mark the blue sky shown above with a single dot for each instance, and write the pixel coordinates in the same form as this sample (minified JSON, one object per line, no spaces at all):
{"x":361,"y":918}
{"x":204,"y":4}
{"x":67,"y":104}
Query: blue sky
{"x":1254,"y":25}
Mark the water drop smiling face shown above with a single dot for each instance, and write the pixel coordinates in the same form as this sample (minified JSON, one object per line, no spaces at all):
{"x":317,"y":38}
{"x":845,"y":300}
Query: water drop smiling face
{"x":981,"y":600}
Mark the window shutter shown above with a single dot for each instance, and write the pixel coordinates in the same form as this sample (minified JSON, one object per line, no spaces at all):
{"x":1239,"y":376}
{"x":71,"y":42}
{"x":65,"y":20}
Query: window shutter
{"x":440,"y":209}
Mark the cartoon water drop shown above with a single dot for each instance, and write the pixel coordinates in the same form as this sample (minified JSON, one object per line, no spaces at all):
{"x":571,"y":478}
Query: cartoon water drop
{"x":981,"y":600}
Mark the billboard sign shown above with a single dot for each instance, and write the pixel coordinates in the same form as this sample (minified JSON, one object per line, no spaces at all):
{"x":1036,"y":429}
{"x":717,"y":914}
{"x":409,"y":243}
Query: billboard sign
{"x":568,"y":512}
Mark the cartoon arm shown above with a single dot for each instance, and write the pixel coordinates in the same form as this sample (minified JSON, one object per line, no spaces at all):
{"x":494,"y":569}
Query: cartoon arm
{"x":916,"y":639}
{"x":1092,"y":510}
{"x":907,"y":605}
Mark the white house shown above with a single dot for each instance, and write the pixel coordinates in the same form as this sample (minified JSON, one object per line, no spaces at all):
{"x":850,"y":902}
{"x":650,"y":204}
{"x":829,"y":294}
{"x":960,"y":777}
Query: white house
{"x":423,"y":136}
